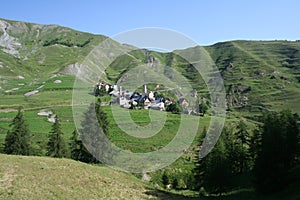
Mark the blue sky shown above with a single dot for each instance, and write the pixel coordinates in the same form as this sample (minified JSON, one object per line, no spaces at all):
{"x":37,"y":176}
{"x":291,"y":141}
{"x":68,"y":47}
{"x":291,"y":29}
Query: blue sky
{"x":205,"y":21}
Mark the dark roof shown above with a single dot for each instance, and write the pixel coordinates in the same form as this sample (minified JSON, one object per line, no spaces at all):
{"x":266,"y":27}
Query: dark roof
{"x":143,"y":99}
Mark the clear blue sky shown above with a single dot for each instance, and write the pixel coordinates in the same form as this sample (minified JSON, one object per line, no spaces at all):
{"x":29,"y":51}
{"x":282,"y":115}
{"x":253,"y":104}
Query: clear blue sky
{"x":205,"y":21}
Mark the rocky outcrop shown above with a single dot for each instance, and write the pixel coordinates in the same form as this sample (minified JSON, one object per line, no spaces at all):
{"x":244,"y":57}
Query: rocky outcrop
{"x":10,"y":44}
{"x":72,"y":69}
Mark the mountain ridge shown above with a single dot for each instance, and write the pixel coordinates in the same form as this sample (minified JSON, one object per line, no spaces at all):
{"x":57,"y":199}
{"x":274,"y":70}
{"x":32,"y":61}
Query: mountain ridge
{"x":36,"y":52}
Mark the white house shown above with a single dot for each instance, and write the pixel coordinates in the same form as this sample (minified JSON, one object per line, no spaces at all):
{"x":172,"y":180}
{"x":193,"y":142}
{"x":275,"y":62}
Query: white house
{"x":123,"y":101}
{"x":157,"y":106}
{"x":107,"y":88}
{"x":115,"y":93}
{"x":151,"y":96}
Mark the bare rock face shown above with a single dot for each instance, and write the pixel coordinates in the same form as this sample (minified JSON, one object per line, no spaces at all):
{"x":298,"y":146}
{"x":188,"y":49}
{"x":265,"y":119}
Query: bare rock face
{"x":3,"y":25}
{"x":72,"y":69}
{"x":146,"y":177}
{"x":10,"y":44}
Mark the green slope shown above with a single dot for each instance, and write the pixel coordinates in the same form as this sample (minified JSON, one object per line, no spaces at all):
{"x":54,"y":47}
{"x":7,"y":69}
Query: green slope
{"x":27,"y":177}
{"x":267,"y":73}
{"x":269,"y":69}
{"x":47,"y":178}
{"x":36,"y":51}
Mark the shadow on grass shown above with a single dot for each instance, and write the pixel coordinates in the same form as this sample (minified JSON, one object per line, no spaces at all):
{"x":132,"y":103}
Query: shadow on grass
{"x":238,"y":195}
{"x":160,"y":194}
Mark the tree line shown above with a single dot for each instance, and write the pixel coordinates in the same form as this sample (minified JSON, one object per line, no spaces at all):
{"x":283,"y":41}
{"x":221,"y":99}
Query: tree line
{"x":88,"y":139}
{"x":265,"y":156}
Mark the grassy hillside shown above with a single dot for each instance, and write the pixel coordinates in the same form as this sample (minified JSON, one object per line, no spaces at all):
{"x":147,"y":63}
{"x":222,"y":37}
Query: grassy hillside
{"x":46,"y":178}
{"x":31,"y":53}
{"x":25,"y":177}
{"x":266,"y":72}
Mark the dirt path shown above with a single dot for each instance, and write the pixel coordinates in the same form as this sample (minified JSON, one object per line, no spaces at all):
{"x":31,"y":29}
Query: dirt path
{"x":7,"y":110}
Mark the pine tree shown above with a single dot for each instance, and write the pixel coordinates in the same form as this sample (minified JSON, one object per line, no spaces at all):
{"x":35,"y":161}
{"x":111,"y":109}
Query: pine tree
{"x":56,"y":145}
{"x":237,"y":146}
{"x":94,"y":133}
{"x":242,"y":146}
{"x":165,"y":179}
{"x":102,"y":117}
{"x":96,"y":90}
{"x":291,"y":137}
{"x":74,"y":145}
{"x":212,"y":172}
{"x":175,"y":183}
{"x":199,"y":164}
{"x":231,"y":147}
{"x":280,"y":140}
{"x":17,"y":140}
{"x":254,"y":146}
{"x":203,"y":108}
{"x":217,"y":169}
{"x":78,"y":150}
{"x":174,"y":108}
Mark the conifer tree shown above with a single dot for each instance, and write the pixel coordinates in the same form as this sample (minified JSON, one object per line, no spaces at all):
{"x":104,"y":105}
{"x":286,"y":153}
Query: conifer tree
{"x":242,"y":146}
{"x":279,"y":146}
{"x":78,"y":150}
{"x":213,"y":171}
{"x":56,"y":145}
{"x":17,"y":140}
{"x":94,"y":133}
{"x":217,"y":169}
{"x":254,"y":146}
{"x":231,"y":147}
{"x":165,"y":179}
{"x":291,"y":136}
{"x":175,"y":183}
{"x":199,"y":164}
{"x":174,"y":108}
{"x":101,"y":117}
{"x":203,"y":107}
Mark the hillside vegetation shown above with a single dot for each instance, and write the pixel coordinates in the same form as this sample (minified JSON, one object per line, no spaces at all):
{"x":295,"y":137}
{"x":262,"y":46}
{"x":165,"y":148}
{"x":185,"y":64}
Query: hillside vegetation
{"x":27,"y":177}
{"x":48,"y":178}
{"x":259,"y":76}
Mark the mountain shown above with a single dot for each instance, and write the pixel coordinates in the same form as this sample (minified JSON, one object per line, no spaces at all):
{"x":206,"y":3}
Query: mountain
{"x":258,"y":75}
{"x":266,"y":72}
{"x":34,"y":51}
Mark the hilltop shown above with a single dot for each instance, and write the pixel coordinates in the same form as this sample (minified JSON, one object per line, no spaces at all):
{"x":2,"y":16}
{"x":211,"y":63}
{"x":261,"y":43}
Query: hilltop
{"x":28,"y":177}
{"x":24,"y":177}
{"x":32,"y":53}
